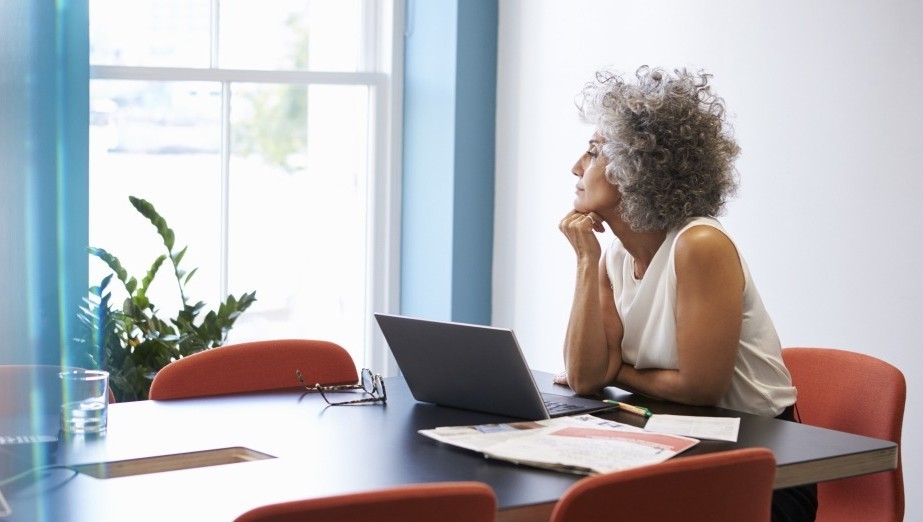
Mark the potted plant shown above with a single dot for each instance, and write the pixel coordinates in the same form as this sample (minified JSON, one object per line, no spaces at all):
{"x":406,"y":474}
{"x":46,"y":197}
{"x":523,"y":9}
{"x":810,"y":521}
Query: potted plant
{"x":135,"y":342}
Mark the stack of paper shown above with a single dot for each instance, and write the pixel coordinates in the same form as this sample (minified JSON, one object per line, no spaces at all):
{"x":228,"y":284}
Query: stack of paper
{"x":712,"y":428}
{"x":581,"y":444}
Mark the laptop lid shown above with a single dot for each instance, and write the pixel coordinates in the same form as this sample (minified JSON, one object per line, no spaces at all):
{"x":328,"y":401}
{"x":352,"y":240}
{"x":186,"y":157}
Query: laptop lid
{"x":469,"y":366}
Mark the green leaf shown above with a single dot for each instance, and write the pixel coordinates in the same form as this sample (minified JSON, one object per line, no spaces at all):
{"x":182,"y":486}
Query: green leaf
{"x":179,"y":256}
{"x":104,"y":284}
{"x":147,"y":210}
{"x":155,"y":266}
{"x":141,"y":301}
{"x":112,"y":262}
{"x":189,"y":276}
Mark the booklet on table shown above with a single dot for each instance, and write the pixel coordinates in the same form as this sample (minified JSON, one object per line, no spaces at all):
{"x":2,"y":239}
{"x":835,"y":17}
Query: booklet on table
{"x":581,"y":444}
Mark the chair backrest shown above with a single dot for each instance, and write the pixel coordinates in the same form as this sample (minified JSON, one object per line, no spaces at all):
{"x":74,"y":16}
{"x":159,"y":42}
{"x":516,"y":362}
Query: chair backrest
{"x":436,"y":502}
{"x":254,"y":366}
{"x":725,"y":486}
{"x":855,"y":393}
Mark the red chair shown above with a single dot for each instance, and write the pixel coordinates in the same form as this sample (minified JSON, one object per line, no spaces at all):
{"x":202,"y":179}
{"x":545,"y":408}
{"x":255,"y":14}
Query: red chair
{"x":727,"y":486}
{"x":855,"y":393}
{"x":436,"y":502}
{"x":254,"y":366}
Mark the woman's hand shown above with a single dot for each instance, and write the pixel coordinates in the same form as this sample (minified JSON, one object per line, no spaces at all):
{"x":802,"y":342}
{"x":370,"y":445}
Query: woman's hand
{"x":560,"y":378}
{"x":579,"y":229}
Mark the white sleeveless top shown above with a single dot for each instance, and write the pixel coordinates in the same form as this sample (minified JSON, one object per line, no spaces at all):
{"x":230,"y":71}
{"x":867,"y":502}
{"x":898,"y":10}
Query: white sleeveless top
{"x":761,"y":384}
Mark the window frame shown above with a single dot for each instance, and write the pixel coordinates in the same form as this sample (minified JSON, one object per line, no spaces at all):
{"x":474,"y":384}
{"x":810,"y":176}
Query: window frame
{"x":385,"y":85}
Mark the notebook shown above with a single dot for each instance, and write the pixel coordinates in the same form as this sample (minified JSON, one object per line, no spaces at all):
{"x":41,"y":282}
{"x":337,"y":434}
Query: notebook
{"x":473,"y":367}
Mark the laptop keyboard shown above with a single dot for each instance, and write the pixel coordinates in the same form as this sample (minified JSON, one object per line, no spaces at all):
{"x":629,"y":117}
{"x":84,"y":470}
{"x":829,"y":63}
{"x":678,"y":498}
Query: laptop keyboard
{"x":556,"y":408}
{"x":25,"y":439}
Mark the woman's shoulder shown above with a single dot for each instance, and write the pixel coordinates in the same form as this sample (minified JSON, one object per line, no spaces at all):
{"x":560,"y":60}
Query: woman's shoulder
{"x":703,"y":239}
{"x":699,"y":222}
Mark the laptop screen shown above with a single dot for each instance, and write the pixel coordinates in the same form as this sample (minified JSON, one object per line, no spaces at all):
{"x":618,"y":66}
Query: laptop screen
{"x":468,"y":366}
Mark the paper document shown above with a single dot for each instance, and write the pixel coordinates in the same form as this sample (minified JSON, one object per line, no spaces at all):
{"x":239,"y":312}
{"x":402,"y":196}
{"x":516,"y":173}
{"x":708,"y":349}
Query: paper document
{"x":581,"y":444}
{"x":712,"y":428}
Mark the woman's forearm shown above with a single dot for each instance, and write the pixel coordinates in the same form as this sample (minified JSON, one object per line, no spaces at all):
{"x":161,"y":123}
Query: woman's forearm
{"x":670,"y":385}
{"x":587,"y":353}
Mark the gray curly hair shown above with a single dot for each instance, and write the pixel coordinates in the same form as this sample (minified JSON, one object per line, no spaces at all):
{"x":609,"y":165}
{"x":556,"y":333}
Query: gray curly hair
{"x":670,"y":150}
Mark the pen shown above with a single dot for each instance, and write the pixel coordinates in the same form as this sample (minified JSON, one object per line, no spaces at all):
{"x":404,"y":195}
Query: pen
{"x":637,"y":410}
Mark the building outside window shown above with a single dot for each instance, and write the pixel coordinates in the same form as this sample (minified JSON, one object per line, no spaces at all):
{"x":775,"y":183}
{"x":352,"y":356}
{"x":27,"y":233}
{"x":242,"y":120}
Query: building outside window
{"x":264,"y":133}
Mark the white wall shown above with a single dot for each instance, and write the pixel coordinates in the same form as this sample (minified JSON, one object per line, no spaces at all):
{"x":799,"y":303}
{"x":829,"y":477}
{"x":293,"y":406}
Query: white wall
{"x":825,"y":99}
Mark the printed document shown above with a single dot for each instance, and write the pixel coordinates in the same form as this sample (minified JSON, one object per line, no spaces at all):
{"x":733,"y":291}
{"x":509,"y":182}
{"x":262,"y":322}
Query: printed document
{"x":581,"y":444}
{"x":713,"y":428}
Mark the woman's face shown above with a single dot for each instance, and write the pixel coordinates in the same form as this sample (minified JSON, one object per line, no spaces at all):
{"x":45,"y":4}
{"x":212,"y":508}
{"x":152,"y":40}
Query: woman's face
{"x":594,"y":192}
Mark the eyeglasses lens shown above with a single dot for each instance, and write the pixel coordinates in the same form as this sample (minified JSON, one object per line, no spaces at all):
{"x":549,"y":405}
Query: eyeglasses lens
{"x":368,"y":382}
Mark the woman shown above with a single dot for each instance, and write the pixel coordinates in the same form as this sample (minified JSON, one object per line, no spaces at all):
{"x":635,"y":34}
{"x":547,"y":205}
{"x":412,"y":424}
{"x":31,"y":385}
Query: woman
{"x":670,"y":310}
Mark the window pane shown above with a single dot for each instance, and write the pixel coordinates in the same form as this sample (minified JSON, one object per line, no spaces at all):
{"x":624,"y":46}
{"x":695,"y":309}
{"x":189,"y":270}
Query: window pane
{"x":157,"y":141}
{"x":158,"y":117}
{"x":319,"y":35}
{"x":165,"y":33}
{"x":298,"y":211}
{"x":292,"y":186}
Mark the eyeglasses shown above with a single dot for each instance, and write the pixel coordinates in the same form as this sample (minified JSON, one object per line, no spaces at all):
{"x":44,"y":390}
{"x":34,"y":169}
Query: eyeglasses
{"x":371,"y":384}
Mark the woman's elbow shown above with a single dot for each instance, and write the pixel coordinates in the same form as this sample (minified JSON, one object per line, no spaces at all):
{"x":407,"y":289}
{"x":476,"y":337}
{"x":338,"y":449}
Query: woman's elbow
{"x":706,"y":395}
{"x":704,"y":400}
{"x":583,"y":386}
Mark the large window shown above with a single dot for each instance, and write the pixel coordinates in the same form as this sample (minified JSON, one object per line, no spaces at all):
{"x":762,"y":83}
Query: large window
{"x":262,"y":132}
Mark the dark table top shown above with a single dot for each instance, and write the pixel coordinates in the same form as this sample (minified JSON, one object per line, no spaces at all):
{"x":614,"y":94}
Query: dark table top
{"x":320,"y":450}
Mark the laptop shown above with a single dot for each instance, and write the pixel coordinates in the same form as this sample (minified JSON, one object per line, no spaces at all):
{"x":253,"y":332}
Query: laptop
{"x":30,"y":399}
{"x":473,"y":367}
{"x":22,"y":450}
